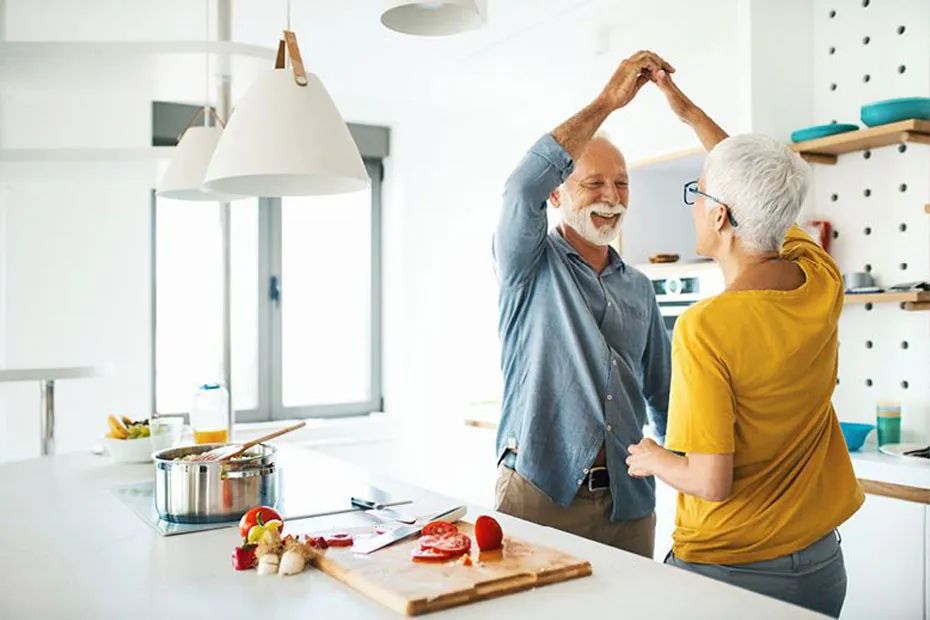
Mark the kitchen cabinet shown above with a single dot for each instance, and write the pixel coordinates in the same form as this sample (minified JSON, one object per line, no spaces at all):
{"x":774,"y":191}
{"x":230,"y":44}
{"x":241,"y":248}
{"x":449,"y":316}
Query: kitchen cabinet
{"x":886,"y":552}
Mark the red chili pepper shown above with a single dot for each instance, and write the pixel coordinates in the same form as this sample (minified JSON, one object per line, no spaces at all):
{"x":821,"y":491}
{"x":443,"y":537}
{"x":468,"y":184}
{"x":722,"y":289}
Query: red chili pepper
{"x":317,"y":541}
{"x":243,"y":558}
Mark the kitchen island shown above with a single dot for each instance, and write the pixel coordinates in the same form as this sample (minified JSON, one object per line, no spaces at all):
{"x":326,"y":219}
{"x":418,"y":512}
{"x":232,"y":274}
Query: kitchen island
{"x":72,"y":549}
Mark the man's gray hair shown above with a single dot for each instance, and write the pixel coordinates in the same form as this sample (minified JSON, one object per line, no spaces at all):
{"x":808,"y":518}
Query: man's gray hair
{"x":763,"y":182}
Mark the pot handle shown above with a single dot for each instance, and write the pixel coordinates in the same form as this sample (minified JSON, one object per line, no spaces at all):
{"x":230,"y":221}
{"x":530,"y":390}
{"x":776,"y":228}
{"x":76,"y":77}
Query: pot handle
{"x":248,"y":473}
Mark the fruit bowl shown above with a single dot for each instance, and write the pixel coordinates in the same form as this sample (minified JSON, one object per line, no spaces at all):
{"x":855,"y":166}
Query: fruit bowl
{"x":129,"y":450}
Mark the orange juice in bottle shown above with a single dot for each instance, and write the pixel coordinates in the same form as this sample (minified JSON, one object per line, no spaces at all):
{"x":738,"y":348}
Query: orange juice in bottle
{"x":208,"y":414}
{"x":217,"y":436}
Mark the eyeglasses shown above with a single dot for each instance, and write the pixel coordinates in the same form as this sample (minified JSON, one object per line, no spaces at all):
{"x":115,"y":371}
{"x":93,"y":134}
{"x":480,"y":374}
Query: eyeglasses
{"x":692,"y":192}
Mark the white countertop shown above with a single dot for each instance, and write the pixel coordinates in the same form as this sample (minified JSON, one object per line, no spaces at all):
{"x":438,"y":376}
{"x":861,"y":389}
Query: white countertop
{"x":871,"y":464}
{"x":71,"y":549}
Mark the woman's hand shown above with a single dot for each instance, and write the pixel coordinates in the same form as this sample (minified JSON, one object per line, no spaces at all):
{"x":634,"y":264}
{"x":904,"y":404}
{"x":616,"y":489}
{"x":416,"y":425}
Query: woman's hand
{"x":708,"y":132}
{"x":683,"y":107}
{"x":708,"y":476}
{"x":645,"y":458}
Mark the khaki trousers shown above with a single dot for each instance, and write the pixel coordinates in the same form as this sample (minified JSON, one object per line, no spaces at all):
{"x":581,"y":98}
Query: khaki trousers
{"x":588,"y":515}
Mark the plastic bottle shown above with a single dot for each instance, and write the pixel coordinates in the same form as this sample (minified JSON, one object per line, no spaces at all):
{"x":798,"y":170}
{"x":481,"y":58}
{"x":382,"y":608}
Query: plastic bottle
{"x":208,"y":414}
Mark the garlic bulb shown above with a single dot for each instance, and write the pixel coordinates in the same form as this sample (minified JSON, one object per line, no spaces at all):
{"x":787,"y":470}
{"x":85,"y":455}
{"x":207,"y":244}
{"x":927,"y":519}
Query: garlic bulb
{"x":292,"y":563}
{"x":268,"y":564}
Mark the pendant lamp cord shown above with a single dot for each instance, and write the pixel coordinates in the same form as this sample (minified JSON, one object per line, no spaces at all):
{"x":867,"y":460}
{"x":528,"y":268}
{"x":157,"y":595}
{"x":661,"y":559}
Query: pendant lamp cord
{"x":287,"y":61}
{"x":206,"y":71}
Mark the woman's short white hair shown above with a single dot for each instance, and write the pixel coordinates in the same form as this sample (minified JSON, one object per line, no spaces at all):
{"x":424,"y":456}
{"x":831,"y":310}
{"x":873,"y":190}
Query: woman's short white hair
{"x":764,"y":184}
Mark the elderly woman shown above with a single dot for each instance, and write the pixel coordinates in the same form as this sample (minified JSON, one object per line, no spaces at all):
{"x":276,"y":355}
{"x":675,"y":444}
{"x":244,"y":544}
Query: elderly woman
{"x":753,"y":444}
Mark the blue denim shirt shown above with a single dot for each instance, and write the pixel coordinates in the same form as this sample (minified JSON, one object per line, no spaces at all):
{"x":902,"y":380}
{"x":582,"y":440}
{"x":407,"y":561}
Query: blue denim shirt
{"x":582,"y":353}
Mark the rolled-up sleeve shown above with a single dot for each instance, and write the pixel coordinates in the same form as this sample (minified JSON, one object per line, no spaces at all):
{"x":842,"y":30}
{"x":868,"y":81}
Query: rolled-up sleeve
{"x":657,"y":371}
{"x":520,"y":238}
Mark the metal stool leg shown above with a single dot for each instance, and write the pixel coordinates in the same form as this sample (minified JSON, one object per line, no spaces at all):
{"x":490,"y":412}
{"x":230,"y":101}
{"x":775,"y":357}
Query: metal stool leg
{"x":47,"y":417}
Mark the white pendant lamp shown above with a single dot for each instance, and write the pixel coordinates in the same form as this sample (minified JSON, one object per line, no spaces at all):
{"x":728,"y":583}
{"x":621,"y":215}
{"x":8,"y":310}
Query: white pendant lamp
{"x":183,"y":179}
{"x":286,"y":138}
{"x":434,"y":18}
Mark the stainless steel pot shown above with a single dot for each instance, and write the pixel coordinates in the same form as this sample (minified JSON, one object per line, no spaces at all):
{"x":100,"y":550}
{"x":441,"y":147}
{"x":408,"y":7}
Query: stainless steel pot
{"x":195,"y":492}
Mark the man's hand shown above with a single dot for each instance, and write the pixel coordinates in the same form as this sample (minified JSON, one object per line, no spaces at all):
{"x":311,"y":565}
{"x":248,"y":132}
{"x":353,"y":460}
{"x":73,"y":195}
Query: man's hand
{"x":575,"y":133}
{"x":630,"y":76}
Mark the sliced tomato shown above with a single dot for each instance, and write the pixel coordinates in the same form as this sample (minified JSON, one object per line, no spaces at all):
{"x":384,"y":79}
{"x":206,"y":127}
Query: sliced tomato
{"x":339,"y":540}
{"x":427,"y":542}
{"x":454,"y":544}
{"x":439,"y":528}
{"x":430,"y":555}
{"x":488,"y":533}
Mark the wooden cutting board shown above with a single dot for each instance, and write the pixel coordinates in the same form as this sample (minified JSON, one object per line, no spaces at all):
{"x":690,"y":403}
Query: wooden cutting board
{"x":390,"y":577}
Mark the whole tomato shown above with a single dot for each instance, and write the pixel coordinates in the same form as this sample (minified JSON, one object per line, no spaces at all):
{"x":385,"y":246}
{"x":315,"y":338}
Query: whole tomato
{"x":488,"y":533}
{"x":259,"y":515}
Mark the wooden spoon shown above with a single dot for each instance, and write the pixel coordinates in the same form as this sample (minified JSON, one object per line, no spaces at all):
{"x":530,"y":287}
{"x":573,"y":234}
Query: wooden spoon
{"x":224,"y":453}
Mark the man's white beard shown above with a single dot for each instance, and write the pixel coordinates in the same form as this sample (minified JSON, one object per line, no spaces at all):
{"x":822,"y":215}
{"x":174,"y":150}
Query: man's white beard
{"x":580,"y":220}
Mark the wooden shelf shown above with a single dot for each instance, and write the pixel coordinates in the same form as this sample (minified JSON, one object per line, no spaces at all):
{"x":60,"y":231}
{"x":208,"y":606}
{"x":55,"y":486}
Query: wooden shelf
{"x":485,"y":424}
{"x":690,"y":159}
{"x":912,"y":300}
{"x":826,"y":150}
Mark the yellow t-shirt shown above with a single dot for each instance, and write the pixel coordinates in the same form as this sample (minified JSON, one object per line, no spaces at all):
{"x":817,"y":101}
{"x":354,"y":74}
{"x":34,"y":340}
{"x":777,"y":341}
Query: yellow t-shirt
{"x":752,"y":375}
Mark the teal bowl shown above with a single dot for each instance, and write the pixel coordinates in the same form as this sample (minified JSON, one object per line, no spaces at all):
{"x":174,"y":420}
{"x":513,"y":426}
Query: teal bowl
{"x":855,"y":433}
{"x":821,"y":131}
{"x":894,"y":110}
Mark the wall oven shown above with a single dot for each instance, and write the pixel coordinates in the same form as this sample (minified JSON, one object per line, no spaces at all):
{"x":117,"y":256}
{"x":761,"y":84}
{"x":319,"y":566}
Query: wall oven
{"x":680,"y":285}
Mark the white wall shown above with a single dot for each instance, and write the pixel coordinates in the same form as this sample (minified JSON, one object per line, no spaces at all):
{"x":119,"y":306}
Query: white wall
{"x":77,"y":294}
{"x":658,"y":220}
{"x":886,"y":364}
{"x":462,"y":111}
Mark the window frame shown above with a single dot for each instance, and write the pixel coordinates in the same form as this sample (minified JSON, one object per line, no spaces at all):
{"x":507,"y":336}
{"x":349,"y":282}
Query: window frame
{"x":373,"y":143}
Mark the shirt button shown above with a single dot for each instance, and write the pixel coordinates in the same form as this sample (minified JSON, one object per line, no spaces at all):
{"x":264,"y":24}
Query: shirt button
{"x":608,"y":428}
{"x":580,"y":481}
{"x":610,"y":397}
{"x":609,"y":304}
{"x":585,"y":470}
{"x":614,"y":362}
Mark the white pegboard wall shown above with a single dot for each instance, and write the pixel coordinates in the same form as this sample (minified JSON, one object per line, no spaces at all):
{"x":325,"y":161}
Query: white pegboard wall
{"x":864,"y":51}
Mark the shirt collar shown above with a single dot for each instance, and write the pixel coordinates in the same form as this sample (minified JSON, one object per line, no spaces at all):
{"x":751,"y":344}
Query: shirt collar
{"x":614,"y":262}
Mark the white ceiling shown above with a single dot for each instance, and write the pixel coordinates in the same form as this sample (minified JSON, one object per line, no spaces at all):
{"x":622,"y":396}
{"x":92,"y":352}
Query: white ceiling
{"x":534,"y":62}
{"x":555,"y":51}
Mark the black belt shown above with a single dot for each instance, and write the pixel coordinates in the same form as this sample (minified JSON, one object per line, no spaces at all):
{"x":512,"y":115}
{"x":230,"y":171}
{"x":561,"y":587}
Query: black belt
{"x":597,"y":478}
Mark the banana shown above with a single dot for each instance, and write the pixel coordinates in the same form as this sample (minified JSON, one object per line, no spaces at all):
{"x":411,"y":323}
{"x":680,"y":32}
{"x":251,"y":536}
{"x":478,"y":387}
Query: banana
{"x":127,"y":422}
{"x":117,"y":429}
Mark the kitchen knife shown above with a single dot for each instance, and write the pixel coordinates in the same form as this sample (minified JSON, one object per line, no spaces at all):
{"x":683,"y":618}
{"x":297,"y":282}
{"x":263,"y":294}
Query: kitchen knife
{"x":381,"y":510}
{"x":405,"y":531}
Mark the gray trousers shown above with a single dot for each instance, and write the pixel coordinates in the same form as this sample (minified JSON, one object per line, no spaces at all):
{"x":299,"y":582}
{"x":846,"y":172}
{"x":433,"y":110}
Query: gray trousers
{"x":814,"y":577}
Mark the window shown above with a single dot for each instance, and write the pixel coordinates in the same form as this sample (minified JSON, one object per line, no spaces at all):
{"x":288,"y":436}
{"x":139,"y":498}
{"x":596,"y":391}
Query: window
{"x":306,"y":303}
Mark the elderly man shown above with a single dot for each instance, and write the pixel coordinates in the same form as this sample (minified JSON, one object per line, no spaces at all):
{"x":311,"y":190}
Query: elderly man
{"x":583,"y":345}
